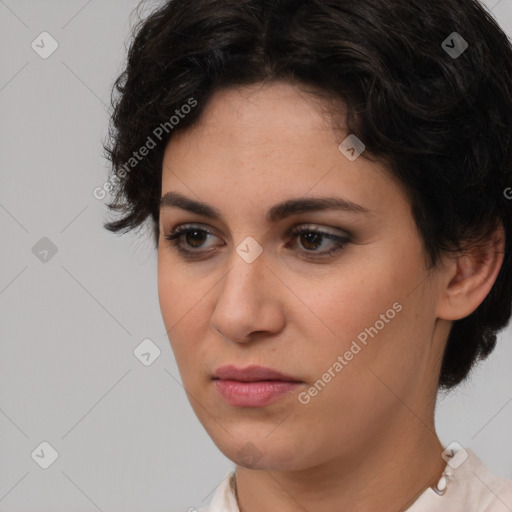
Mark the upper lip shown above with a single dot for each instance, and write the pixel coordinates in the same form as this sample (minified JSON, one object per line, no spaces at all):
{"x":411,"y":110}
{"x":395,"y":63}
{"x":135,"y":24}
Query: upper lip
{"x":251,"y":373}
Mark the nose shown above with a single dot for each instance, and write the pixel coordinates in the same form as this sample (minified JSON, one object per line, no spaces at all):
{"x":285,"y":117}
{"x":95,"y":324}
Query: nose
{"x":249,"y":302}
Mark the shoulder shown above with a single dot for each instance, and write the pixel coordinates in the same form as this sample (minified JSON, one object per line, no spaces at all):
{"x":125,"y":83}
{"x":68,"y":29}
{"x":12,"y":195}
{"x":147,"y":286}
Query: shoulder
{"x":472,"y":487}
{"x":496,"y":490}
{"x":486,"y":491}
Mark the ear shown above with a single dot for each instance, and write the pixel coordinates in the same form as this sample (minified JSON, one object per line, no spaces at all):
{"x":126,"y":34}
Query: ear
{"x":470,"y":276}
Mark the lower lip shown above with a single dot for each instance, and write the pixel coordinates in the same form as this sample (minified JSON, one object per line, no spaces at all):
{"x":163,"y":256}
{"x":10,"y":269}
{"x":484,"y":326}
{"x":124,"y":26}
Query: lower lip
{"x":253,"y":394}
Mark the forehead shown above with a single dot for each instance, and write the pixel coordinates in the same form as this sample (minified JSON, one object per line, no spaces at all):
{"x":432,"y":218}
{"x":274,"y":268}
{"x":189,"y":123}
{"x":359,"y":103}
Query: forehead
{"x":255,"y":114}
{"x":267,"y":143}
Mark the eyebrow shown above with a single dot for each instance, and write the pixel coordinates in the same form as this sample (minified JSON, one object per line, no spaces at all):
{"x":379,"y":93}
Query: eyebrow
{"x":275,"y":213}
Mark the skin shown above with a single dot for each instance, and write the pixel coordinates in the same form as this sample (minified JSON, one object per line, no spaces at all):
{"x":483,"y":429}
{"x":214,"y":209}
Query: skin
{"x":367,"y":441}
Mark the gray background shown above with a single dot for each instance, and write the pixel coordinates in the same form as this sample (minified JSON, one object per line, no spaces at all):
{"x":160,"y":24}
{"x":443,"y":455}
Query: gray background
{"x":125,"y":433}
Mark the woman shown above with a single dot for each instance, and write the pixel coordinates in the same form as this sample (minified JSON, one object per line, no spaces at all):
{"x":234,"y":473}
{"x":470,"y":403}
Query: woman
{"x":327,"y":182}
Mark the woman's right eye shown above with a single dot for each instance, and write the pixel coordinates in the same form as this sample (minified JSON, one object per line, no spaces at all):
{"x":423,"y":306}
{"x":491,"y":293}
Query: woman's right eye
{"x":192,"y":236}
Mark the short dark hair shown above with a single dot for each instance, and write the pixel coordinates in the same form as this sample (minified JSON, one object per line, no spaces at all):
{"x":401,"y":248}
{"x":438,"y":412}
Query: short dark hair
{"x":441,"y":121}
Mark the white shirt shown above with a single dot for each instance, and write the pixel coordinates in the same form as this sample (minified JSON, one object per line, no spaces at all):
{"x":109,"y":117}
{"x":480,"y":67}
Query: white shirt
{"x":471,"y":488}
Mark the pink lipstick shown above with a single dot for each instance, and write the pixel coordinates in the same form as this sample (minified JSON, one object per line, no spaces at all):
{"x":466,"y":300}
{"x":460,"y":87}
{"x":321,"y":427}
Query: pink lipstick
{"x":253,"y":386}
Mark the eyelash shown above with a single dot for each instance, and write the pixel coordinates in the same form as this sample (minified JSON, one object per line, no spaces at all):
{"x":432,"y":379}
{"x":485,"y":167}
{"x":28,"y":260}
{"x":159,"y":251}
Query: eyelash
{"x":175,"y":238}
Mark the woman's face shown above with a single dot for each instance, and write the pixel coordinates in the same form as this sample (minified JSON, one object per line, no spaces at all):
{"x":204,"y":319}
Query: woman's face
{"x":352,"y":319}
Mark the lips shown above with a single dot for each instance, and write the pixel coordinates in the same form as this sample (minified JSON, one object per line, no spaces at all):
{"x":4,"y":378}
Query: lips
{"x":253,"y":386}
{"x":251,"y":374}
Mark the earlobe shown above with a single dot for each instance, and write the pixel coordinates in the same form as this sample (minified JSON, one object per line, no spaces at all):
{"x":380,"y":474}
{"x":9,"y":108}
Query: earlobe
{"x":471,"y":276}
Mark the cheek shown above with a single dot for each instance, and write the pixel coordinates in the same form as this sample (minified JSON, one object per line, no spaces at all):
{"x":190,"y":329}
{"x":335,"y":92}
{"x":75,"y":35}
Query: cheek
{"x":369,"y":321}
{"x":169,"y":287}
{"x":346,"y":305}
{"x":183,"y":305}
{"x":176,"y":304}
{"x":178,"y":290}
{"x":378,"y":347}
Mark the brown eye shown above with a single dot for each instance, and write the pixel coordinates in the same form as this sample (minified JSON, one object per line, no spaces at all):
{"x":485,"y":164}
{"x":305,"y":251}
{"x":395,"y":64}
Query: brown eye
{"x":195,"y":238}
{"x":312,"y":239}
{"x":189,"y":240}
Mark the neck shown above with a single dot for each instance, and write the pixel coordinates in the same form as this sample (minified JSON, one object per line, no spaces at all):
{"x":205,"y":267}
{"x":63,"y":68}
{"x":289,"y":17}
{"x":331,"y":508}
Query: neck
{"x":388,"y":475}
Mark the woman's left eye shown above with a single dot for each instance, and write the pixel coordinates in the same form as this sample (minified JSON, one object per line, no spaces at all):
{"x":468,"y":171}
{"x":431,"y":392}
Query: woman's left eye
{"x":311,"y":239}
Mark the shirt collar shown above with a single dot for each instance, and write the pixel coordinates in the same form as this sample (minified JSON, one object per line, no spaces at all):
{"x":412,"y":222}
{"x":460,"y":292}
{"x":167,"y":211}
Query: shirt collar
{"x":471,"y":486}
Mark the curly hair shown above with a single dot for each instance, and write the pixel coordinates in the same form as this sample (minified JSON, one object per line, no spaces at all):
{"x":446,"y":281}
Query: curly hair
{"x":441,"y":120}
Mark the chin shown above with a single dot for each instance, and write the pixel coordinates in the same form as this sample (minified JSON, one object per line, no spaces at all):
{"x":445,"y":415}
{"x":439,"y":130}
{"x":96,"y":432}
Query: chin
{"x":259,"y":450}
